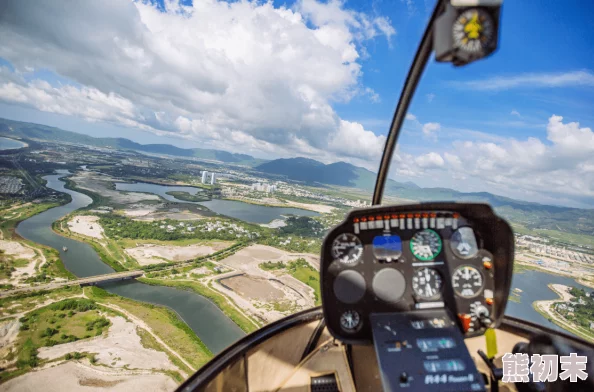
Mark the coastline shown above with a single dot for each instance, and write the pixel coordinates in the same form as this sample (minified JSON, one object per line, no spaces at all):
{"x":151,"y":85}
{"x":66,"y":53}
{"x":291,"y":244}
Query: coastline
{"x":545,"y":309}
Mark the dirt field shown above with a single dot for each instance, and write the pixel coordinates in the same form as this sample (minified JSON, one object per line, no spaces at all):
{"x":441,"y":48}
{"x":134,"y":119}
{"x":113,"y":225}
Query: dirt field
{"x":154,"y":254}
{"x":101,"y":184}
{"x":248,"y":258}
{"x":74,"y":376}
{"x":266,"y":293}
{"x":9,"y":331}
{"x":87,"y":225}
{"x":14,"y":248}
{"x":19,"y":251}
{"x":254,"y":288}
{"x":121,"y":348}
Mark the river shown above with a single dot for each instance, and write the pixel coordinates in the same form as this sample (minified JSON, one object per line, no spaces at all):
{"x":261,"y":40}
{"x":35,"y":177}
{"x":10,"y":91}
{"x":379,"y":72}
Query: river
{"x":212,"y":326}
{"x":252,"y":213}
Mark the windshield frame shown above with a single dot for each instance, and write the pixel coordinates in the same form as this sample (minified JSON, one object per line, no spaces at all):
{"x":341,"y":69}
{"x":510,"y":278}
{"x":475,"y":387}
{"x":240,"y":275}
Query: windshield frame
{"x":413,"y":78}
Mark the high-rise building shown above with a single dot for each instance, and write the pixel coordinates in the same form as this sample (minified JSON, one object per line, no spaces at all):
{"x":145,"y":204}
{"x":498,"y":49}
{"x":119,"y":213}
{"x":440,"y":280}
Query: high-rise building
{"x":212,"y":179}
{"x":204,"y":174}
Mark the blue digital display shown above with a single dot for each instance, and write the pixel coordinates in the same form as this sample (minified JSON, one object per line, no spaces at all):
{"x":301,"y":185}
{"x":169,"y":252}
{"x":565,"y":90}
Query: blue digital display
{"x":387,"y":247}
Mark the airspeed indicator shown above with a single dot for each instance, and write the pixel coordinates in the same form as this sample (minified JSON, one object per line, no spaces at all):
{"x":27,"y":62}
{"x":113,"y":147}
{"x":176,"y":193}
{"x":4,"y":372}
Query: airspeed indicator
{"x":425,"y":244}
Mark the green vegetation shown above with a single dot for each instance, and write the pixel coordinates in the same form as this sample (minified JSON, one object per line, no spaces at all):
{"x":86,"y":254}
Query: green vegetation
{"x":163,"y":322}
{"x":583,"y":309}
{"x":219,"y":300}
{"x":28,"y":300}
{"x":301,"y":270}
{"x":186,"y":196}
{"x":270,"y":265}
{"x":303,"y":226}
{"x":61,"y":322}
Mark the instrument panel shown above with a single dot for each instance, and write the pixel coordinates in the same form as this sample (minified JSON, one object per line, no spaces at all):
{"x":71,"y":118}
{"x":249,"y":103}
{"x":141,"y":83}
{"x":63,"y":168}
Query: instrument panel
{"x":417,"y":257}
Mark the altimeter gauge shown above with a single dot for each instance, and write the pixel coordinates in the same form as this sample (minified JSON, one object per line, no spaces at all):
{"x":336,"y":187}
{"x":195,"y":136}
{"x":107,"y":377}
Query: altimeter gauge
{"x":426,"y":283}
{"x":473,"y":30}
{"x":425,"y":244}
{"x":347,"y":248}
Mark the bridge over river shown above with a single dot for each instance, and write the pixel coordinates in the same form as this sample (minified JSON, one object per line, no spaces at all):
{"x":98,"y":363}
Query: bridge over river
{"x":88,"y":281}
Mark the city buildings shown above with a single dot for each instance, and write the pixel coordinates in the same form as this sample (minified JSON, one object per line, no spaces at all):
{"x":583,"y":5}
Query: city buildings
{"x":260,"y":187}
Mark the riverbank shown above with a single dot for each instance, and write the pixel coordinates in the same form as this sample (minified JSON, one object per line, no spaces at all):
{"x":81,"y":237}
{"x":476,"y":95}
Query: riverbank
{"x":222,"y":302}
{"x":521,"y":266}
{"x":131,"y":340}
{"x":545,"y":308}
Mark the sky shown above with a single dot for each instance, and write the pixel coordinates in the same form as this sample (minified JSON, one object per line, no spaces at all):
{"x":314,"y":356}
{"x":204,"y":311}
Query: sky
{"x":318,"y":79}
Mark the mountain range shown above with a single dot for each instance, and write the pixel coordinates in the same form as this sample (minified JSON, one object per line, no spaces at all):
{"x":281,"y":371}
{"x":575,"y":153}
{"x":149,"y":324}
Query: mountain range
{"x":25,"y":130}
{"x":309,"y":171}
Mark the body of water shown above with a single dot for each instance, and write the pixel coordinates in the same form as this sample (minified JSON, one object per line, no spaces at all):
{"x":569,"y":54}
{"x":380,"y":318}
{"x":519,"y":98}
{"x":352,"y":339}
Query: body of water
{"x":214,"y":328}
{"x":10,"y":144}
{"x":236,"y":209}
{"x":534,"y":286}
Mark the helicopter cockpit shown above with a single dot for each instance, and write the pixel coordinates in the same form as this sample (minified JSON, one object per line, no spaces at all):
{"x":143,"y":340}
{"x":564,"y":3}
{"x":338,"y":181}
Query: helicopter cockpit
{"x":413,"y":296}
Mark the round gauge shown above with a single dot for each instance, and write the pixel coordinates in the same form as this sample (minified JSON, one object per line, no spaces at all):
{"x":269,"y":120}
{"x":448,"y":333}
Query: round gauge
{"x":425,"y":244}
{"x":467,"y":281}
{"x":463,"y":243}
{"x":426,"y":283}
{"x":473,"y":30}
{"x":350,"y":320}
{"x":347,"y":248}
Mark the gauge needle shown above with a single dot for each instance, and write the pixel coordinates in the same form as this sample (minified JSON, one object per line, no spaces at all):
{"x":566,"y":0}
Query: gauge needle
{"x":428,"y":289}
{"x":466,"y":273}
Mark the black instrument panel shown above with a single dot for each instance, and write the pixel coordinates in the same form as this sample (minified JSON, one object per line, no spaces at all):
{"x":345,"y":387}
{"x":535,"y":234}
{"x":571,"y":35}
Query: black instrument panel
{"x":417,"y":257}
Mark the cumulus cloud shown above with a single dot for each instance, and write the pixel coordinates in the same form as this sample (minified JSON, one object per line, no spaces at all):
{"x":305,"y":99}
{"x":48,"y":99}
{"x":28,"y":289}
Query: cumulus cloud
{"x":240,"y":75}
{"x":430,"y":130}
{"x":430,"y":160}
{"x":563,"y":167}
{"x":430,"y":97}
{"x":514,"y":112}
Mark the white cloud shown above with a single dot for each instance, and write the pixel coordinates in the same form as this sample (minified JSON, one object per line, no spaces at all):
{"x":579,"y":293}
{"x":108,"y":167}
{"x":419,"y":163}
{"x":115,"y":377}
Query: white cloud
{"x":242,"y":75}
{"x":514,"y":112}
{"x":550,"y":172}
{"x":430,"y":160}
{"x":354,"y":141}
{"x":531,"y":80}
{"x":430,"y":97}
{"x":570,"y":138}
{"x":411,"y":117}
{"x":430,"y":130}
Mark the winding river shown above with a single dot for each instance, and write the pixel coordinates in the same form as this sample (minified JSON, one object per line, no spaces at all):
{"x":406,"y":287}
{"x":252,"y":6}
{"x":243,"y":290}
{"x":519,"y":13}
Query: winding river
{"x":212,"y":326}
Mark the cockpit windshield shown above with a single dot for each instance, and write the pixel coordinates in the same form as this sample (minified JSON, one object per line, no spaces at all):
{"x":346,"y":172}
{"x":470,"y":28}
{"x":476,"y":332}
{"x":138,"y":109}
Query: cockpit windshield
{"x":515,"y":131}
{"x":169,"y":169}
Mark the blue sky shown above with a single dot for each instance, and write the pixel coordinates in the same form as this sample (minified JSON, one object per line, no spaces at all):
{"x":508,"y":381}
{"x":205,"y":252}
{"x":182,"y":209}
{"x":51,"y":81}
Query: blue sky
{"x":317,"y":79}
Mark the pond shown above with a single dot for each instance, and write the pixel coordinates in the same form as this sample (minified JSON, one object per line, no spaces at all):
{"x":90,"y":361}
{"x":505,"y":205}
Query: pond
{"x":236,"y":209}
